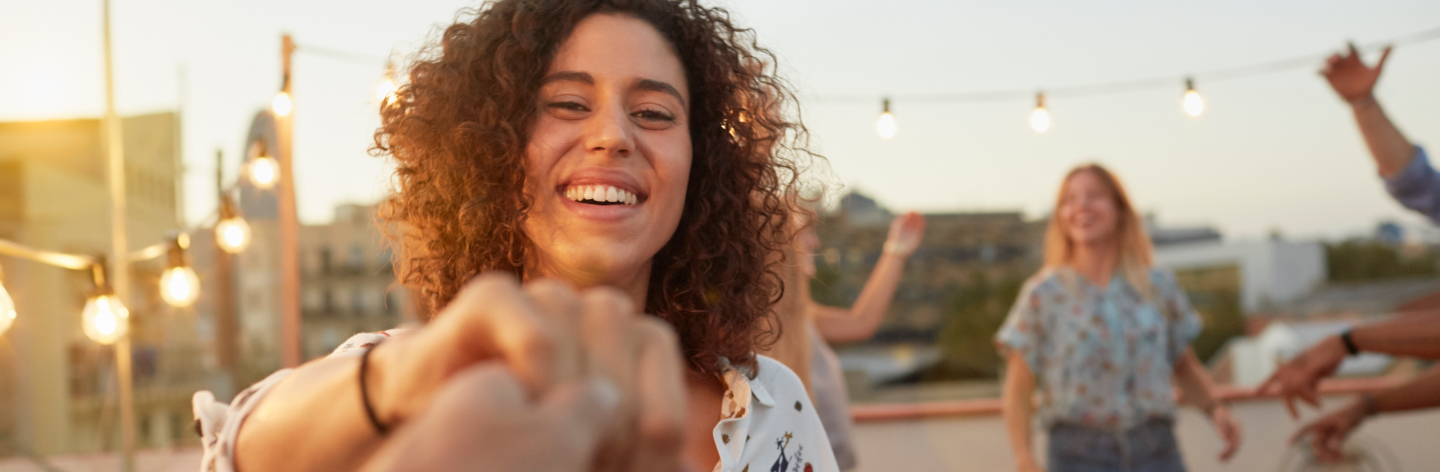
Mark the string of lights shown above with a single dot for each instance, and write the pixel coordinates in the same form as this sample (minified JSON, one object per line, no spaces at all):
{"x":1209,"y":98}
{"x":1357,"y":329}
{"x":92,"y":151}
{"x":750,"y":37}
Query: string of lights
{"x":1191,"y":101}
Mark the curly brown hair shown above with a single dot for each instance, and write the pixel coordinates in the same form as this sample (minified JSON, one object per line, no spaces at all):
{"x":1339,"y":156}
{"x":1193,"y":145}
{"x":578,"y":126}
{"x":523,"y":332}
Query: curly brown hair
{"x":458,"y":133}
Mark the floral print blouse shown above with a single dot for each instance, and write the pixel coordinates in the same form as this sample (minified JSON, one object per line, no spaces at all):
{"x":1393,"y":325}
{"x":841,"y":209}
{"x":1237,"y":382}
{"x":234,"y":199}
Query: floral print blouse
{"x":767,"y":421}
{"x":1103,"y":356}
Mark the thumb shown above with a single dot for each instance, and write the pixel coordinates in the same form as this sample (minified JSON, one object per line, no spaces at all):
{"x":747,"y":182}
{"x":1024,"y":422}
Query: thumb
{"x":1383,"y":56}
{"x":590,"y":408}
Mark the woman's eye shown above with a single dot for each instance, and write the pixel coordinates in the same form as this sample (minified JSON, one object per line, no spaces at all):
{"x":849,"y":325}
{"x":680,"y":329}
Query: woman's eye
{"x":568,"y":106}
{"x":654,"y":115}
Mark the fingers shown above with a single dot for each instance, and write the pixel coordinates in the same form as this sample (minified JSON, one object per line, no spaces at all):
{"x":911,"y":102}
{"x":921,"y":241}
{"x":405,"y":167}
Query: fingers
{"x":1290,"y":406}
{"x":1383,"y":56}
{"x":1232,"y":443}
{"x":1350,"y":46}
{"x":560,"y":304}
{"x":587,"y":411}
{"x":660,"y":388}
{"x":492,"y":317}
{"x":608,"y":355}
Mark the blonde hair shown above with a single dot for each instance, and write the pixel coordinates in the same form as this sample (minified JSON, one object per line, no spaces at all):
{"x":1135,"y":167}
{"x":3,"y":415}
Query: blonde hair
{"x":1131,"y":241}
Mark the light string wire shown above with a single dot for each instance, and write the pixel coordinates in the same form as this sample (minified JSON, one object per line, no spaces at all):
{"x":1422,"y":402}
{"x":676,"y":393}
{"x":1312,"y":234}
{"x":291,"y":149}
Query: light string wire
{"x":1123,"y":86}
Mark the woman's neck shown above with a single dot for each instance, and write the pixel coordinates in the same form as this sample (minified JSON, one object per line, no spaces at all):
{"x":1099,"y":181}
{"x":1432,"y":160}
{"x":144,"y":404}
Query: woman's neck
{"x":1096,"y":262}
{"x":633,"y":283}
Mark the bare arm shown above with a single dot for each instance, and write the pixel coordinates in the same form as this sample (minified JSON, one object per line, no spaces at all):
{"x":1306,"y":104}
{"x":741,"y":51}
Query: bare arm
{"x":1355,"y":83}
{"x":1413,"y":336}
{"x":859,"y":322}
{"x":1197,"y":389}
{"x":1017,"y":405}
{"x":315,"y":420}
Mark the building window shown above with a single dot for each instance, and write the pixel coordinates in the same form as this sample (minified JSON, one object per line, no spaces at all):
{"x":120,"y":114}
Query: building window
{"x":325,"y":260}
{"x":357,"y":259}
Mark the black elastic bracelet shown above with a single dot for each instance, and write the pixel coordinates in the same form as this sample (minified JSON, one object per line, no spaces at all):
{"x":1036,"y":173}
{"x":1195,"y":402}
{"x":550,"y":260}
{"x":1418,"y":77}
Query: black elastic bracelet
{"x":1349,"y":343}
{"x":365,"y":393}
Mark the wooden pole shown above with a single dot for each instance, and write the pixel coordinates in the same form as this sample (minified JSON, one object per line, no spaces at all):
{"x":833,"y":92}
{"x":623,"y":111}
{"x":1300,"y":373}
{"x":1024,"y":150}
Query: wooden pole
{"x":119,"y":250}
{"x":289,"y":222}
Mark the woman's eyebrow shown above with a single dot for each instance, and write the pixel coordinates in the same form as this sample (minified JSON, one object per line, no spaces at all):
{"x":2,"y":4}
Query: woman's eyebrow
{"x":651,"y":85}
{"x":573,"y":76}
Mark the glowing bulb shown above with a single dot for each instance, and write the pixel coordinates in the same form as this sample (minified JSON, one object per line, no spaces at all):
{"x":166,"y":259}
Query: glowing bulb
{"x":179,"y":286}
{"x":7,"y":310}
{"x":281,"y":104}
{"x":1040,"y":119}
{"x":233,"y":234}
{"x":886,"y":125}
{"x":106,"y":320}
{"x":264,"y":171}
{"x":1194,"y":105}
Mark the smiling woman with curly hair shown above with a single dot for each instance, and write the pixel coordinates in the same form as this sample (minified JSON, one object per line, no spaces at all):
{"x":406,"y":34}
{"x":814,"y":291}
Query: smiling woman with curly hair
{"x":461,"y":129}
{"x":638,"y":148}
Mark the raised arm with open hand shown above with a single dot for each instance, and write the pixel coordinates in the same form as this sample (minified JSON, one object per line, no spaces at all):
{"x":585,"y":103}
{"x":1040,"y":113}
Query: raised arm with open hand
{"x":1349,"y":75}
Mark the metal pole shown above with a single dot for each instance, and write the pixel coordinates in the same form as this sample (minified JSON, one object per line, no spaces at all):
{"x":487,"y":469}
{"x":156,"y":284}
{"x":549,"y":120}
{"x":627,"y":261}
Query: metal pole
{"x":119,"y":249}
{"x":289,"y":223}
{"x":226,"y":328}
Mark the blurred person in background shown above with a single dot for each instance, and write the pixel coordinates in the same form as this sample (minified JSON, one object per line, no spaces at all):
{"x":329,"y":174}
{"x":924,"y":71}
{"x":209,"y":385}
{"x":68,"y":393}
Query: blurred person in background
{"x":1107,"y":334}
{"x":623,"y":144}
{"x":810,"y":327}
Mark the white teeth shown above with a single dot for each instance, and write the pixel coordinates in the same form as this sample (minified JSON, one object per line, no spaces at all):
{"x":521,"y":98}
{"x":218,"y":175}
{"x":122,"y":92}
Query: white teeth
{"x":601,"y":193}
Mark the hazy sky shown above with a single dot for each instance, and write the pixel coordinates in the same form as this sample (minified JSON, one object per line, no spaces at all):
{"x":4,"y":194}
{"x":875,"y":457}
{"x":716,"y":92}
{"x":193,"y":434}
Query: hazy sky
{"x":1278,"y":151}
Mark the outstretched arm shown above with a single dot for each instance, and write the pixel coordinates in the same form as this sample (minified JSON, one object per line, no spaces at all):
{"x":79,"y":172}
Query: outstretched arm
{"x":1355,"y":83}
{"x":1414,"y":336}
{"x":859,"y":322}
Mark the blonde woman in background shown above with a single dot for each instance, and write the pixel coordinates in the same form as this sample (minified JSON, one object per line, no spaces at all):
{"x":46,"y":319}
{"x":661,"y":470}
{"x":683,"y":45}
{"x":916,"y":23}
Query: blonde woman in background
{"x":1107,"y":333}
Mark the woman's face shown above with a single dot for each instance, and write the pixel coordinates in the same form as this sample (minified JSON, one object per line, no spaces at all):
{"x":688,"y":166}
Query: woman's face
{"x":609,"y":158}
{"x":1088,"y":211}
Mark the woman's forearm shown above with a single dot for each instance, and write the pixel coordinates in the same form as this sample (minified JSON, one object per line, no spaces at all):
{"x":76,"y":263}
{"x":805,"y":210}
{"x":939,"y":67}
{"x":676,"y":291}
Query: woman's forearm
{"x":1194,"y":381}
{"x":1421,"y":392}
{"x":1392,"y":152}
{"x":838,"y":325}
{"x":1017,"y":405}
{"x":1415,"y":336}
{"x":311,"y":421}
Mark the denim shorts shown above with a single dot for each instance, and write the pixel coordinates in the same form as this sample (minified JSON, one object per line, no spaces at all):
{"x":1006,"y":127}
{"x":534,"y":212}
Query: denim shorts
{"x":1149,"y":447}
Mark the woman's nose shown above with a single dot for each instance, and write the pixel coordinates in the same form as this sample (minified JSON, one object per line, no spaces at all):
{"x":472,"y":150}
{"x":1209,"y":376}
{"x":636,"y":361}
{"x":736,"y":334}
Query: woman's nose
{"x":609,"y":133}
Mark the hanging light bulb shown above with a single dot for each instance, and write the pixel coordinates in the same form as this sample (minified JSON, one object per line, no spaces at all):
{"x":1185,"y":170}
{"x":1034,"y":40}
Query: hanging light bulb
{"x":385,"y":92}
{"x":1040,"y":119}
{"x":179,"y":285}
{"x":1194,"y":105}
{"x":105,"y":320}
{"x":886,"y":125}
{"x":264,"y":171}
{"x":7,"y":308}
{"x":232,"y":232}
{"x":281,"y":104}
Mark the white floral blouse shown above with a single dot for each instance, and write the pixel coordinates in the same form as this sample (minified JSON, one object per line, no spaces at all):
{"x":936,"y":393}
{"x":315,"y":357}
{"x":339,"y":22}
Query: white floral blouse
{"x":1104,"y":356}
{"x":768,"y":424}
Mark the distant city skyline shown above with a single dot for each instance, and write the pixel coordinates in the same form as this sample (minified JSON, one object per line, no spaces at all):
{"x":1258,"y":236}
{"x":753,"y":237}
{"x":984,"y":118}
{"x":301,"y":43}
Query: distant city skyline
{"x":1272,"y":152}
